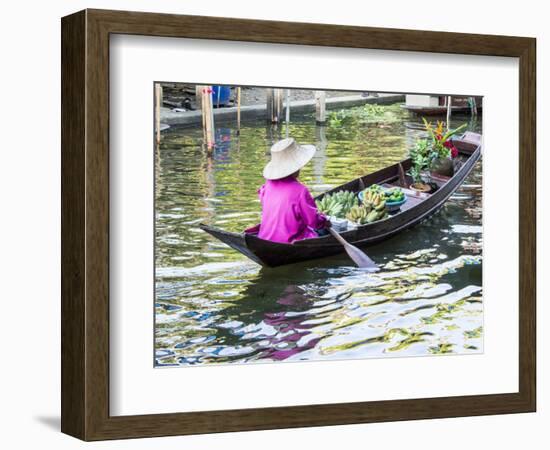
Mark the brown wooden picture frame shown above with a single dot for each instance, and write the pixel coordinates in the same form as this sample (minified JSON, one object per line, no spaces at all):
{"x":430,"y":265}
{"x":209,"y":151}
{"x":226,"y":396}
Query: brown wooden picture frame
{"x":85,"y":224}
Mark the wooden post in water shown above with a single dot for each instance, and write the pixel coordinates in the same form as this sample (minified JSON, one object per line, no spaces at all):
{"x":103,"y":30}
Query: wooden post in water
{"x":473,"y":106}
{"x":320,"y":107}
{"x":207,"y":116}
{"x":274,"y":105}
{"x":319,"y":162}
{"x":198,"y":96}
{"x":279,"y":104}
{"x":238,"y":110}
{"x":287,"y":115}
{"x":158,"y":103}
{"x":198,"y":105}
{"x":268,"y":104}
{"x":449,"y":108}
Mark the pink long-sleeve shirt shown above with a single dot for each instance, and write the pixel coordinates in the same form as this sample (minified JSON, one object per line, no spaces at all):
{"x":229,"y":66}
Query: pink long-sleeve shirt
{"x":289,"y":212}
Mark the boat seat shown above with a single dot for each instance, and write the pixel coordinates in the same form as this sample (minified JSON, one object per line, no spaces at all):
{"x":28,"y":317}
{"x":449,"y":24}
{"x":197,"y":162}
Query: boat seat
{"x":412,"y":201}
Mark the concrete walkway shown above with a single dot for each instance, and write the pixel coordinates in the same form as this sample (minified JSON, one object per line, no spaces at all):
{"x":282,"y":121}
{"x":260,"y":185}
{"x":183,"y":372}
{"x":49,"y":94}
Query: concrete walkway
{"x":167,"y":116}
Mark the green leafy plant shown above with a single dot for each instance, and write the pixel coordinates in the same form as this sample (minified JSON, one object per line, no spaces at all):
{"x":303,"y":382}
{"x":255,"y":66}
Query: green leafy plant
{"x":373,"y":110}
{"x":426,"y":151}
{"x":368,"y":113}
{"x":341,"y":117}
{"x":421,"y":158}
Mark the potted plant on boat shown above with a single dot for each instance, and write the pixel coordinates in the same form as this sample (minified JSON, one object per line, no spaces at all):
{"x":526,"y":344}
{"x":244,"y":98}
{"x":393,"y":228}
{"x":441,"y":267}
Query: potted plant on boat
{"x":420,"y":161}
{"x":443,"y":150}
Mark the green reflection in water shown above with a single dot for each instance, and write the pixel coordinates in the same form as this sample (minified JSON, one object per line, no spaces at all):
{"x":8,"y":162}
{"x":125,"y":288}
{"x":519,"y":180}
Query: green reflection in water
{"x":213,"y":305}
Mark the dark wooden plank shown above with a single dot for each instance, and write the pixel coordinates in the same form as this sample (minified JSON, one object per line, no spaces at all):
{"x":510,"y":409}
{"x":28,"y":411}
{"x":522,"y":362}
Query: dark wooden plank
{"x":308,"y":416}
{"x":527,"y":226}
{"x":267,"y":31}
{"x":97,"y":227}
{"x":73,"y":226}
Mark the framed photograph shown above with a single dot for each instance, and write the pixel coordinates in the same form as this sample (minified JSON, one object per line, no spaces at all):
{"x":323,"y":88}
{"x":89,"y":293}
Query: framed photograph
{"x":273,"y":225}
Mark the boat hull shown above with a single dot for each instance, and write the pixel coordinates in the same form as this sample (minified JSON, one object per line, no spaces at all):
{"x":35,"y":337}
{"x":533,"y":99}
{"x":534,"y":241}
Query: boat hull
{"x":437,"y":110}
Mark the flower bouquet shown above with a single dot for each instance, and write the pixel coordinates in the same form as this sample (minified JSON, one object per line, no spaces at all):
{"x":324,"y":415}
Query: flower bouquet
{"x":442,"y":151}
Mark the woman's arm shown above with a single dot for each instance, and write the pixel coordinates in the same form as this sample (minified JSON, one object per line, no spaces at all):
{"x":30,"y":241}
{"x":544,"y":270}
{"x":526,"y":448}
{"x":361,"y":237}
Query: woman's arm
{"x":309,"y":212}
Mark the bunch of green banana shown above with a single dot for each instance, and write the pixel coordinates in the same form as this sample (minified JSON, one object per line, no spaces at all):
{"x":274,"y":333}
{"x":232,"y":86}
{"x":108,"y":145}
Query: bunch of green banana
{"x":347,"y":199}
{"x":375,"y":215}
{"x":329,"y":206}
{"x":374,"y":197}
{"x":337,"y":204}
{"x":375,"y":204}
{"x":358,"y":214}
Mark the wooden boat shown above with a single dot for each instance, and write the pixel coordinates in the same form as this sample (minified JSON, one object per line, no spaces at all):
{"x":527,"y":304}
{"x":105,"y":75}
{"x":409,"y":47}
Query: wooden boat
{"x":417,"y":208}
{"x":459,"y":105}
{"x":438,"y":110}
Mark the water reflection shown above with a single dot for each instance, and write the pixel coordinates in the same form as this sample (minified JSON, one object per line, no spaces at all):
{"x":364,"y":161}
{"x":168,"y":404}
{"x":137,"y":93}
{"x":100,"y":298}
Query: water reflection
{"x":215,"y":306}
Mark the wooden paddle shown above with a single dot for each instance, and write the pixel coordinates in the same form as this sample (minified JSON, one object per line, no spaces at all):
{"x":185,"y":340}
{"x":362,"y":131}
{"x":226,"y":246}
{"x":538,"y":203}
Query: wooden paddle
{"x":357,"y":256}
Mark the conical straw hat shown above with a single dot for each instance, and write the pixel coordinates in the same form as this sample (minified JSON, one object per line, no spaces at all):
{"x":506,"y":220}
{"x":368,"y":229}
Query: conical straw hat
{"x":287,"y":157}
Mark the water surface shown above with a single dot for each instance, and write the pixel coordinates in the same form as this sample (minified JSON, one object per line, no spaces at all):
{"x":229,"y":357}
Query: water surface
{"x":213,"y":305}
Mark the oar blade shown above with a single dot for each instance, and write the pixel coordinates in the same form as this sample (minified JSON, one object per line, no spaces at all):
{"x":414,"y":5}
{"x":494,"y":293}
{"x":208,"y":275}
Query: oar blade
{"x":357,"y":256}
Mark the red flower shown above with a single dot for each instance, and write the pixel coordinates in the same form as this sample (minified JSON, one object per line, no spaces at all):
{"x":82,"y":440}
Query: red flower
{"x":450,"y":146}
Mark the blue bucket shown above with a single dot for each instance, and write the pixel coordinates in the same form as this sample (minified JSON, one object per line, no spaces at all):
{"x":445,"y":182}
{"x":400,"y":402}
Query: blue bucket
{"x":221,"y":95}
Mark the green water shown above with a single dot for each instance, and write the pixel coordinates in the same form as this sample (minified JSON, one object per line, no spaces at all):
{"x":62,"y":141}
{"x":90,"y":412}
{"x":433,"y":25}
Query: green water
{"x":213,"y":305}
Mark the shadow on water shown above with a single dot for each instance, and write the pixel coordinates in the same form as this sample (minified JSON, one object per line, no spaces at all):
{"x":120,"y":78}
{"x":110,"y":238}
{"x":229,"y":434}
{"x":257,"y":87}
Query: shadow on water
{"x":215,"y":306}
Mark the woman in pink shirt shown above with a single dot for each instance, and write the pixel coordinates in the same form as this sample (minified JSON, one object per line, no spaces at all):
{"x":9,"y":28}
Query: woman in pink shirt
{"x":289,"y":212}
